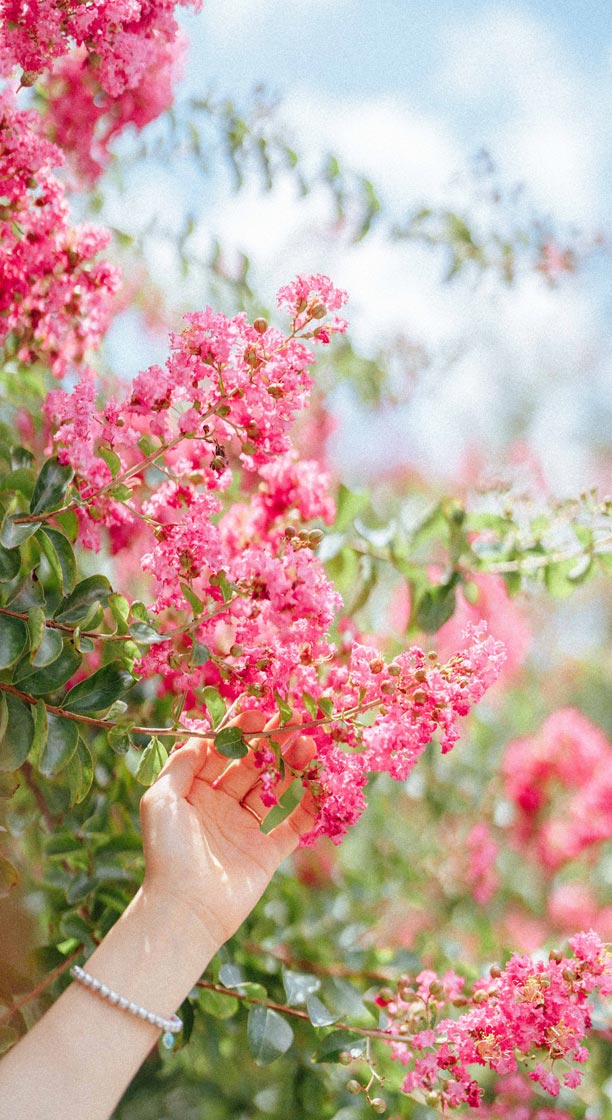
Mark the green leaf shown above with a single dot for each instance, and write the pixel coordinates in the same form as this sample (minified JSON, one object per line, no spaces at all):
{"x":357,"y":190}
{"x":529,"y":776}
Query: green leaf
{"x":98,"y":692}
{"x":62,"y":843}
{"x":146,"y":635}
{"x":349,"y":505}
{"x":120,"y":610}
{"x":326,"y":705}
{"x":50,"y":647}
{"x":69,"y":523}
{"x":36,"y":628}
{"x":61,"y":743}
{"x":9,"y":784}
{"x":13,"y":640}
{"x":284,"y":711}
{"x":217,"y":1005}
{"x":604,"y":559}
{"x":199,"y":654}
{"x":318,"y":1013}
{"x":51,"y":485}
{"x":195,"y":603}
{"x":111,"y":459}
{"x":58,"y":550}
{"x":17,"y":734}
{"x":80,"y":887}
{"x":9,"y":877}
{"x":230,"y":743}
{"x":39,"y":682}
{"x":41,"y":727}
{"x":337,"y":1043}
{"x":268,"y":1035}
{"x":10,"y":563}
{"x":121,"y":492}
{"x":79,"y":773}
{"x":299,"y":985}
{"x":73,"y":925}
{"x":76,"y":606}
{"x":214,"y":703}
{"x":8,"y":1037}
{"x":558,"y":578}
{"x":12,"y":534}
{"x":153,"y":758}
{"x":434,"y":607}
{"x":20,"y":481}
{"x":119,"y":739}
{"x":310,"y":704}
{"x":231,"y":976}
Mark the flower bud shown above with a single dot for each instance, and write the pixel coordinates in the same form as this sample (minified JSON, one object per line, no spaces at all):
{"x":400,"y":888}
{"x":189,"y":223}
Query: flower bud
{"x":376,"y":665}
{"x":223,"y":410}
{"x":353,"y":1086}
{"x":344,"y":1058}
{"x":290,"y":532}
{"x":556,"y":956}
{"x":436,"y":988}
{"x":419,"y":696}
{"x":252,"y":429}
{"x":261,"y":325}
{"x":420,"y":675}
{"x":569,"y":975}
{"x":276,"y":391}
{"x":315,"y":536}
{"x":318,"y":311}
{"x":495,"y":971}
{"x":394,"y":670}
{"x":378,"y":1105}
{"x":251,"y":356}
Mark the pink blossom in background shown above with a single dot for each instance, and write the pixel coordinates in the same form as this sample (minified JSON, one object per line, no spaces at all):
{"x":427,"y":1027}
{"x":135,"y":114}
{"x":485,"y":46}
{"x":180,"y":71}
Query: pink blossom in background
{"x":482,"y":851}
{"x":81,"y":116}
{"x":559,"y":781}
{"x":505,"y":617}
{"x":56,"y":299}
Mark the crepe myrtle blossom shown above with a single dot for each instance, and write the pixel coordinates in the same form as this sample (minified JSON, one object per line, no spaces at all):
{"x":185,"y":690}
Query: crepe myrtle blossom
{"x":81,"y":116}
{"x":121,"y":37}
{"x":55,"y":296}
{"x":537,"y":1010}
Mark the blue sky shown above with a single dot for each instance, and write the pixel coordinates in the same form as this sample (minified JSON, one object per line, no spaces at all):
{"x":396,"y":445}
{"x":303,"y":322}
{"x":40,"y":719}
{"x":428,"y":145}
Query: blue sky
{"x":407,"y":92}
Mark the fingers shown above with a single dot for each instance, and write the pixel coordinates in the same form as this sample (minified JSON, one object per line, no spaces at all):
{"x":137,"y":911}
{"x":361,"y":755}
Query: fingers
{"x":183,"y":765}
{"x":286,"y":835}
{"x":241,"y":780}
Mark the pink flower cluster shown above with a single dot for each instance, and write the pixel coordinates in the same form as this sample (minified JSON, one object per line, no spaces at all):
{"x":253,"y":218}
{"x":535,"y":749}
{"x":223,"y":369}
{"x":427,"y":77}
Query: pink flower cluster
{"x":82,"y":117}
{"x":560,"y":781}
{"x":529,"y":1010}
{"x":240,"y":596}
{"x":513,"y":1099}
{"x":123,"y":38}
{"x":55,"y":298}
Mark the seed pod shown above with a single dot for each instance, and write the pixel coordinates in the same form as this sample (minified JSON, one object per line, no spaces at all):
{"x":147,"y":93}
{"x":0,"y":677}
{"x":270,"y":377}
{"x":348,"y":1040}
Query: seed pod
{"x":261,"y":325}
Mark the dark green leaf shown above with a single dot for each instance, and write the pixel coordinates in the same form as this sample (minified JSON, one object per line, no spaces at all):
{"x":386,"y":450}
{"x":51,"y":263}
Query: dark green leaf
{"x":98,"y":692}
{"x":230,"y":743}
{"x":18,"y":734}
{"x":146,"y":635}
{"x":337,"y":1043}
{"x":10,"y":562}
{"x":9,"y":876}
{"x":51,"y":485}
{"x":80,"y":887}
{"x":185,"y":1014}
{"x":12,"y":534}
{"x":310,"y":704}
{"x":214,"y":703}
{"x":62,"y":844}
{"x":58,"y":550}
{"x":285,"y":712}
{"x":50,"y":647}
{"x":195,"y":603}
{"x":73,"y":925}
{"x":76,"y":606}
{"x":13,"y":639}
{"x":61,"y":743}
{"x":153,"y":758}
{"x":434,"y":607}
{"x":38,"y":682}
{"x":268,"y":1035}
{"x":120,"y":610}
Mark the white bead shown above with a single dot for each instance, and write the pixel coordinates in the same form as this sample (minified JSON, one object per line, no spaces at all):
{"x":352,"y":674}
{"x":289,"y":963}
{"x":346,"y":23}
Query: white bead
{"x":113,"y":997}
{"x":104,"y":991}
{"x":143,"y":1013}
{"x":133,"y":1008}
{"x":152,"y":1017}
{"x":123,"y":1003}
{"x":95,"y":984}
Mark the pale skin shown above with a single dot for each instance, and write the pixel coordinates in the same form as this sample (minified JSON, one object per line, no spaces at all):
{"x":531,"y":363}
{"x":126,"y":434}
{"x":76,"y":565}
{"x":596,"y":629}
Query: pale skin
{"x":206,"y":865}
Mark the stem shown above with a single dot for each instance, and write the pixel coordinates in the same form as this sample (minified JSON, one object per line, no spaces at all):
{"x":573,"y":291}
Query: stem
{"x":43,"y":808}
{"x":382,"y":976}
{"x":368,"y":1032}
{"x":48,"y":980}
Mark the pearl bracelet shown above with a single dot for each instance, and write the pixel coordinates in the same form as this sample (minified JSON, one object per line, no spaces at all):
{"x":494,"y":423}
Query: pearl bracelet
{"x":170,"y":1027}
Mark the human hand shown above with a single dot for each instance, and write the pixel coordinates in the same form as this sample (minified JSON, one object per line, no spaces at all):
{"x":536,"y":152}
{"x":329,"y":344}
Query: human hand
{"x":204,"y":851}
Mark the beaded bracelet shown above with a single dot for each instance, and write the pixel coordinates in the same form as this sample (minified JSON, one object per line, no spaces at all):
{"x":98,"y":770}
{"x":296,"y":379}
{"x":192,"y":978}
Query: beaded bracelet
{"x":170,"y":1027}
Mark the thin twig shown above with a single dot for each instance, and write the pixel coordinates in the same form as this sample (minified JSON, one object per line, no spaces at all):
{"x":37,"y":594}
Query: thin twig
{"x":53,"y":975}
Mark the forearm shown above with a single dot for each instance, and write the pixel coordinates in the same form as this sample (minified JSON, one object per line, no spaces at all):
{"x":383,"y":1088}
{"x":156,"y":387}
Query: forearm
{"x":81,"y":1056}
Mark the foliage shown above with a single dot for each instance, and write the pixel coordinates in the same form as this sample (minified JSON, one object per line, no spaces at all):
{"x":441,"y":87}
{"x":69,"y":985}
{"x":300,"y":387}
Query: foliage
{"x":168,"y":557}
